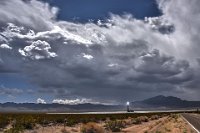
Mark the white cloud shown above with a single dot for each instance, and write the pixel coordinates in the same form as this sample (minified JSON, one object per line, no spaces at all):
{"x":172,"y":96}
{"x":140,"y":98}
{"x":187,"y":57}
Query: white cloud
{"x":55,"y":31}
{"x":87,"y":56}
{"x":160,"y":24}
{"x":35,"y":14}
{"x":113,"y":65}
{"x":41,"y":101}
{"x":5,"y":46}
{"x":73,"y":102}
{"x":37,"y":50}
{"x":185,"y":18}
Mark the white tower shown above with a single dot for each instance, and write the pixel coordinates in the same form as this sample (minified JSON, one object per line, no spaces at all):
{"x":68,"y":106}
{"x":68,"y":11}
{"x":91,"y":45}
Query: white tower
{"x":127,"y":105}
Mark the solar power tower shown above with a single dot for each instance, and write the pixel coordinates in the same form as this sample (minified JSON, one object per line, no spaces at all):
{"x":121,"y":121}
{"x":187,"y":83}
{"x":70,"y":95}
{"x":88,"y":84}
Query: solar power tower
{"x":128,"y":106}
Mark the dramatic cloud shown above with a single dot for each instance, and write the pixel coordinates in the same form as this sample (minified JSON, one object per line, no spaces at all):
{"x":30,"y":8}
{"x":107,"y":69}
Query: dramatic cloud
{"x":114,"y":60}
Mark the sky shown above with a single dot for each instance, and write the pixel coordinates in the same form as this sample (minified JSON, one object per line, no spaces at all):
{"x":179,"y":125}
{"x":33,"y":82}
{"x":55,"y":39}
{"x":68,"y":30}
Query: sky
{"x":89,"y":51}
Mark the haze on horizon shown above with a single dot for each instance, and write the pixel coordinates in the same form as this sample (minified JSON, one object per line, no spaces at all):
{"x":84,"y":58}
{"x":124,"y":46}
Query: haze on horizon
{"x":114,"y":51}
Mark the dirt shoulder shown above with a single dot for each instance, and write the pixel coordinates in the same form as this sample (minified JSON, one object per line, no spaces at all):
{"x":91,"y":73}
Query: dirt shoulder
{"x":170,"y":124}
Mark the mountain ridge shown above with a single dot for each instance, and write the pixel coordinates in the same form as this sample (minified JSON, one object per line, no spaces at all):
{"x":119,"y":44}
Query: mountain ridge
{"x":154,"y":103}
{"x":167,"y":102}
{"x":55,"y":107}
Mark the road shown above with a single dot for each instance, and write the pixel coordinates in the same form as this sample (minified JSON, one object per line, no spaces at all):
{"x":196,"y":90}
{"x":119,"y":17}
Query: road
{"x":193,"y":120}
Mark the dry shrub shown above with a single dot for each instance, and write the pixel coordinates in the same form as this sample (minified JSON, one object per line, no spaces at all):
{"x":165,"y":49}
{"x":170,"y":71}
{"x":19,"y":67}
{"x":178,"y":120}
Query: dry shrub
{"x":136,"y":121}
{"x":91,"y":127}
{"x":175,"y":116}
{"x":116,"y":125}
{"x":154,"y":117}
{"x":74,"y":130}
{"x":140,"y":119}
{"x":64,"y":131}
{"x":128,"y":121}
{"x":143,"y":118}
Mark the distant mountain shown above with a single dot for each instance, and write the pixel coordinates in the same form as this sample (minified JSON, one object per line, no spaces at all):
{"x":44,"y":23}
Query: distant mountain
{"x":166,"y":102}
{"x":33,"y":107}
{"x":154,"y":103}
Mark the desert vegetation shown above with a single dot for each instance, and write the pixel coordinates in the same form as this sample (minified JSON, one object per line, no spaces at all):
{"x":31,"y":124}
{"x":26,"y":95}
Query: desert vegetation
{"x":86,"y":123}
{"x":172,"y":123}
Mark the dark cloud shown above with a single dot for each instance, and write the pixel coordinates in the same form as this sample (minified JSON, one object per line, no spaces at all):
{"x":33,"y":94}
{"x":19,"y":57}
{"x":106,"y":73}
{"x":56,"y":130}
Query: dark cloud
{"x":10,"y":91}
{"x":124,"y":59}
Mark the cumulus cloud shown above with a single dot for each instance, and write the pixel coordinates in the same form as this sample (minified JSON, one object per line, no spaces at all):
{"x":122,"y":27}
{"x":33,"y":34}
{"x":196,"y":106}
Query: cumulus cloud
{"x":37,"y":50}
{"x":5,"y":46}
{"x":115,"y":60}
{"x":185,"y":18}
{"x":87,"y":56}
{"x":41,"y":101}
{"x":73,"y":102}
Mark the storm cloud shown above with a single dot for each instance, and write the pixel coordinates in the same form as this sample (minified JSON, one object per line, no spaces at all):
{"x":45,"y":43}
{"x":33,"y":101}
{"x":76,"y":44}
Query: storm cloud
{"x":113,"y":60}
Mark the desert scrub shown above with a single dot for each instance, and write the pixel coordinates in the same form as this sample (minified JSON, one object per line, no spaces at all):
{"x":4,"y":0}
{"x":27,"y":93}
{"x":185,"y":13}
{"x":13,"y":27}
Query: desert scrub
{"x":4,"y":121}
{"x":27,"y":123}
{"x":64,"y":131}
{"x":91,"y":127}
{"x":175,"y":116}
{"x":128,"y":121}
{"x":17,"y":129}
{"x":185,"y":130}
{"x":154,"y":117}
{"x":136,"y":120}
{"x":115,"y":126}
{"x":71,"y":122}
{"x":143,"y":118}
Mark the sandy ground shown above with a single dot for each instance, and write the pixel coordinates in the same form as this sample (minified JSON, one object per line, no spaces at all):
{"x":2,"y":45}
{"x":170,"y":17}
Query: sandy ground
{"x":141,"y":128}
{"x":163,"y":125}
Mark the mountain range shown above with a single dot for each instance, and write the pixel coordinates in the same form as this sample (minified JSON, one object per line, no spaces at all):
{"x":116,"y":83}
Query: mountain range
{"x":165,"y":102}
{"x":155,"y":103}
